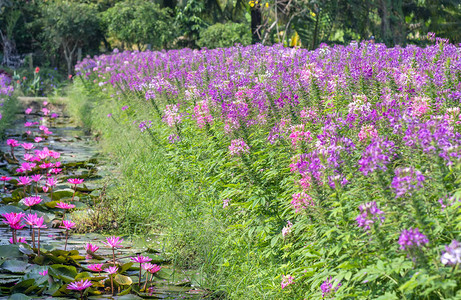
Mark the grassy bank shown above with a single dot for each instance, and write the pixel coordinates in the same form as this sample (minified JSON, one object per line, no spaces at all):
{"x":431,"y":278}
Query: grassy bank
{"x":8,"y":111}
{"x":155,"y":190}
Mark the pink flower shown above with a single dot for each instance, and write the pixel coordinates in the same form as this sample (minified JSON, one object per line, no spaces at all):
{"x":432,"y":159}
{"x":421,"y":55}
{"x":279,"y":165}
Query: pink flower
{"x":238,"y":147}
{"x":51,"y":181}
{"x":27,"y":146}
{"x":64,"y":205}
{"x":225,"y":203}
{"x":141,"y":259}
{"x":24,"y":180}
{"x":13,"y":219}
{"x":31,"y":219}
{"x":68,"y":225}
{"x":55,"y":154}
{"x":111,"y":270}
{"x":31,"y":201}
{"x":44,"y":272}
{"x":154,"y":269}
{"x":91,"y":248}
{"x":28,"y":111}
{"x":368,"y":131}
{"x":5,"y":178}
{"x":18,"y":240}
{"x":287,"y":229}
{"x":45,"y":189}
{"x":28,"y":157}
{"x":301,"y":201}
{"x":147,"y":266}
{"x":79,"y":285}
{"x":75,"y":181}
{"x":286,"y":280}
{"x":12,"y":143}
{"x":36,"y":178}
{"x":28,"y":124}
{"x":39,"y":223}
{"x":38,"y":139}
{"x":202,"y":114}
{"x":113,"y":242}
{"x":95,"y":267}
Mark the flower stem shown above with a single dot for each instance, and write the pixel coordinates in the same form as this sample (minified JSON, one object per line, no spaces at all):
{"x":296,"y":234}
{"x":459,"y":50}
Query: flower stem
{"x":38,"y":241}
{"x":67,"y":236}
{"x":140,"y":274}
{"x":113,"y":254}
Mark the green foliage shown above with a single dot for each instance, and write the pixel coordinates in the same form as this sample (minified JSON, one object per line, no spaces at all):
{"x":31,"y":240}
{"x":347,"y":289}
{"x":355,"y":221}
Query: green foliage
{"x":69,"y":25}
{"x":138,"y":22}
{"x":225,"y":35}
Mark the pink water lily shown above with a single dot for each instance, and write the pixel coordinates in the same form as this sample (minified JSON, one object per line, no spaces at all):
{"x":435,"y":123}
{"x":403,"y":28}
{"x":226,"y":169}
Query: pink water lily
{"x":140,"y":259}
{"x":113,"y":242}
{"x":67,"y":225}
{"x":95,"y":267}
{"x":14,"y":221}
{"x":81,"y":286}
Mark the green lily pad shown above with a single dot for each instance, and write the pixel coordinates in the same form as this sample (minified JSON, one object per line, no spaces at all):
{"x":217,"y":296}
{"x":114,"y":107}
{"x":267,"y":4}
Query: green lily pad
{"x":60,"y":194}
{"x":9,"y":209}
{"x":63,"y":272}
{"x":123,"y":280}
{"x":15,"y":266}
{"x":10,"y":251}
{"x":19,"y":296}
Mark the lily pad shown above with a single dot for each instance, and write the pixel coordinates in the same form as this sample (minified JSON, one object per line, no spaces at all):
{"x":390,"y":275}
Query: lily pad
{"x":123,"y":280}
{"x":9,"y":209}
{"x":63,"y":272}
{"x":15,"y":266}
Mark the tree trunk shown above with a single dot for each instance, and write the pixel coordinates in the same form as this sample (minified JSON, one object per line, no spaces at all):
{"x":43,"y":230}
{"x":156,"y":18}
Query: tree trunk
{"x":10,"y":57}
{"x":256,"y":20}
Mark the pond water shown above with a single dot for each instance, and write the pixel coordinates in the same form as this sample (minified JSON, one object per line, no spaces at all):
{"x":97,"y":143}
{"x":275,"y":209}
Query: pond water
{"x":20,"y":263}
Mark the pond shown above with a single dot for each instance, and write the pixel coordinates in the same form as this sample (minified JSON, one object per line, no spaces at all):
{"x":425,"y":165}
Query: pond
{"x":44,"y":151}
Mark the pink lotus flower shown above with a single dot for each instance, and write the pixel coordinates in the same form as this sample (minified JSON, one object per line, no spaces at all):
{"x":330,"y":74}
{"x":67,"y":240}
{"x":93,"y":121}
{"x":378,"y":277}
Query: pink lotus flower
{"x":28,"y":124}
{"x":95,"y":267}
{"x":91,"y":248}
{"x":45,"y":103}
{"x":24,"y":180}
{"x":39,"y":223}
{"x":111,"y":270}
{"x":51,"y":182}
{"x":45,"y":189}
{"x":31,"y":201}
{"x":5,"y":178}
{"x":154,"y":269}
{"x":113,"y":242}
{"x":79,"y":285}
{"x":28,"y":111}
{"x":43,"y":273}
{"x":13,"y":219}
{"x":28,"y":157}
{"x":38,"y":139}
{"x":28,"y":146}
{"x":31,"y":219}
{"x":148,"y":266}
{"x":57,"y":164}
{"x":45,"y":111}
{"x":68,"y":225}
{"x":75,"y":181}
{"x":55,"y":171}
{"x":55,"y":154}
{"x":64,"y":205}
{"x":12,"y":143}
{"x":141,"y":259}
{"x":36,"y":178}
{"x":19,"y":240}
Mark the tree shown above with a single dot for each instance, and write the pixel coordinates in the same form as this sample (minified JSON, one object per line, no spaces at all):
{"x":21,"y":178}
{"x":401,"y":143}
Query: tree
{"x":138,"y":22}
{"x":69,"y":26}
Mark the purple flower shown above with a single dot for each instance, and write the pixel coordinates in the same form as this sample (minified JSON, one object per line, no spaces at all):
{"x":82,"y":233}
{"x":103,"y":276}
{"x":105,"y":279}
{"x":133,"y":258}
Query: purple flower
{"x":412,"y":239}
{"x":369,"y":213}
{"x":406,"y":181}
{"x":452,"y":254}
{"x":238,"y":147}
{"x":328,"y":289}
{"x":125,"y":107}
{"x":376,"y":156}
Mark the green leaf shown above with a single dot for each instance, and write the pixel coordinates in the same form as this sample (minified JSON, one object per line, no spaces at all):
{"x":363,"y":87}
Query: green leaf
{"x":123,"y":280}
{"x":15,"y":266}
{"x":63,"y":272}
